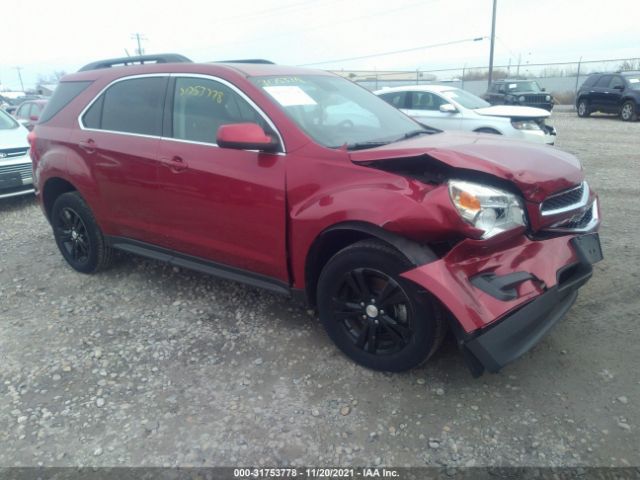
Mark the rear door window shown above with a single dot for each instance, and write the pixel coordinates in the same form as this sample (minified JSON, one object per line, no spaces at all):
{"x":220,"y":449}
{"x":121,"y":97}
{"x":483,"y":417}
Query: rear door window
{"x":134,"y":106}
{"x":397,"y":99}
{"x":604,"y":81}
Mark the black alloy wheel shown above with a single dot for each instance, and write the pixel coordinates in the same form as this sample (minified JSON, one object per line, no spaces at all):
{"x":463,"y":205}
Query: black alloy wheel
{"x":77,"y":234}
{"x":72,"y":234}
{"x":375,"y":316}
{"x":374,"y":311}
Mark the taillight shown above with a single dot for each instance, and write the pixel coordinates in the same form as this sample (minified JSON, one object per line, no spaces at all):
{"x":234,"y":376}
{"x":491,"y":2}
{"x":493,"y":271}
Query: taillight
{"x":31,"y":138}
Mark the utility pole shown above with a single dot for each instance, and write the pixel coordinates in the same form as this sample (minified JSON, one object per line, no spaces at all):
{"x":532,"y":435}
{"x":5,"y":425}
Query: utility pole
{"x":138,"y":38}
{"x":578,"y":74}
{"x":493,"y":41}
{"x":20,"y":77}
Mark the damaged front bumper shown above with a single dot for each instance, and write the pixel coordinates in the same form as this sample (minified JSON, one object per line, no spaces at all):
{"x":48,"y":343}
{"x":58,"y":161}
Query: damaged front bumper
{"x":505,"y":297}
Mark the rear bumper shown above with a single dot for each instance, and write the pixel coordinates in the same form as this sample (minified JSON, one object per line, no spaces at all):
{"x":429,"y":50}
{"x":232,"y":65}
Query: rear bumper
{"x":505,"y":298}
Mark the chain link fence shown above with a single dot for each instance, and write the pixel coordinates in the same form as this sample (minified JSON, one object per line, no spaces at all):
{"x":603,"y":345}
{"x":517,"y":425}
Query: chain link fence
{"x":561,"y":79}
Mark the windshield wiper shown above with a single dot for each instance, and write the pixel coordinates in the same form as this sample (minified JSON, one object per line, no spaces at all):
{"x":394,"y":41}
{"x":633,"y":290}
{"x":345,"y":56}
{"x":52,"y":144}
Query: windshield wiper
{"x":364,"y":145}
{"x":414,"y":133}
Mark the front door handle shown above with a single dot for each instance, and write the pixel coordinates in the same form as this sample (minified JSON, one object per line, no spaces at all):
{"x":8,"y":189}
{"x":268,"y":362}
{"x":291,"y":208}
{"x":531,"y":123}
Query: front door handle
{"x":89,"y":146}
{"x":176,"y":164}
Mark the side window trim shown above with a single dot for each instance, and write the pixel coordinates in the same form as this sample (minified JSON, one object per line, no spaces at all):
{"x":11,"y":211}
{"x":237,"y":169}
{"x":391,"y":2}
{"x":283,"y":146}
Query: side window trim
{"x":168,"y":111}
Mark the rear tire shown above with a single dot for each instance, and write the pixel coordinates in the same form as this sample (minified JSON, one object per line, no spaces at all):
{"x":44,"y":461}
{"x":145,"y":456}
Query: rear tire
{"x":377,"y":318}
{"x":77,"y":234}
{"x":629,"y":111}
{"x":583,"y":108}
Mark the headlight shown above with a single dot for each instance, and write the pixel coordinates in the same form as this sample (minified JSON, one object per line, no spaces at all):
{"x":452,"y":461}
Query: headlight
{"x":487,"y":208}
{"x":548,"y":98}
{"x":525,"y":125}
{"x":521,"y":98}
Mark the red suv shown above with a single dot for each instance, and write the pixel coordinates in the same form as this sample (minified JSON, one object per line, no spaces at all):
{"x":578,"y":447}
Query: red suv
{"x":304,"y":183}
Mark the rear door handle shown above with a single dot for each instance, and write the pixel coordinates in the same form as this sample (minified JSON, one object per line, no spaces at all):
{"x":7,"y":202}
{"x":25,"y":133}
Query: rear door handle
{"x":88,"y":146}
{"x":176,"y":164}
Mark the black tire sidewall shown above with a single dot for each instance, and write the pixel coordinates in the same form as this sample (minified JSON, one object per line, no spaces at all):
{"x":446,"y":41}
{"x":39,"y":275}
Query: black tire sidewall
{"x":73,"y":201}
{"x":420,"y":306}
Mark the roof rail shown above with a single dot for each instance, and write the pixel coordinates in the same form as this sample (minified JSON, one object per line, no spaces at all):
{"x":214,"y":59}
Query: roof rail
{"x":139,"y":60}
{"x":248,"y":60}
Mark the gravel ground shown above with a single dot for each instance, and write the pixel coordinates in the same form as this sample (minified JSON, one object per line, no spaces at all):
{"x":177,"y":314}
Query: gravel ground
{"x":147,"y":364}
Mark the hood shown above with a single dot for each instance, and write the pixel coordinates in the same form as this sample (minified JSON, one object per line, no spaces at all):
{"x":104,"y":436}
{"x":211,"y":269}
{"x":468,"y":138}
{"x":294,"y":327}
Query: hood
{"x":513,"y":111}
{"x":537,"y":170}
{"x":14,"y":138}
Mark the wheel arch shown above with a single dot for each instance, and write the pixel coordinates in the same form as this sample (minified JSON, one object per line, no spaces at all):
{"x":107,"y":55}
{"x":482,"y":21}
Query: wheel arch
{"x":336,"y":237}
{"x":485,"y":128}
{"x":53,"y":188}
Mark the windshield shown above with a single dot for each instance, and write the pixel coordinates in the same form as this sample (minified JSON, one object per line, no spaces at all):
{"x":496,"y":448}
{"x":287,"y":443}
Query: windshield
{"x":6,"y":121}
{"x":466,"y":99}
{"x":523,"y":87}
{"x":335,"y":112}
{"x":634,"y":82}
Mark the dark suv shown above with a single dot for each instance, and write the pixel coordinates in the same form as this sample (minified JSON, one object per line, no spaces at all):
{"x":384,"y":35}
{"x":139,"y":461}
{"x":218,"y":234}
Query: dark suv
{"x":304,"y":183}
{"x":617,"y":93}
{"x":518,"y":92}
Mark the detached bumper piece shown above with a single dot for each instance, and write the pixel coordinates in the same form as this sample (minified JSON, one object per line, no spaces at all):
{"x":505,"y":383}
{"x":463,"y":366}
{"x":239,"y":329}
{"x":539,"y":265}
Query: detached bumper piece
{"x":519,"y":332}
{"x":511,"y":337}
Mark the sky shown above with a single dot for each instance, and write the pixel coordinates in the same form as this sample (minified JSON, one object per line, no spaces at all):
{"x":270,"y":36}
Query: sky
{"x":47,"y":36}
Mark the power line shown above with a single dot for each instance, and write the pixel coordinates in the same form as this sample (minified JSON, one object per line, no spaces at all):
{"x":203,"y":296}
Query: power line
{"x":434,"y":45}
{"x":320,"y":26}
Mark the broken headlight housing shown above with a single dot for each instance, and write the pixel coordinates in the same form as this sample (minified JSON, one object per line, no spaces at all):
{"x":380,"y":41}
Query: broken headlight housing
{"x":486,"y":208}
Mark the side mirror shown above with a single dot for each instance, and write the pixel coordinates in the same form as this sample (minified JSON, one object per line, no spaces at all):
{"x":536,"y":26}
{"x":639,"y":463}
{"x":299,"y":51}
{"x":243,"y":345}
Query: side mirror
{"x":543,"y":89}
{"x":618,"y":87}
{"x":448,"y":108}
{"x":33,"y":118}
{"x":245,"y":136}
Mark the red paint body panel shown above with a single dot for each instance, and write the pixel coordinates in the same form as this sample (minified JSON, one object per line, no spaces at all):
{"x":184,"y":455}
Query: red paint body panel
{"x":448,"y":278}
{"x":224,"y":205}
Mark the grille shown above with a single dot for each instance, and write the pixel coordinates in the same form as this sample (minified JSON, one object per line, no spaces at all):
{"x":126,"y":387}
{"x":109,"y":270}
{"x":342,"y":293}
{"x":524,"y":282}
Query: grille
{"x":581,"y":222}
{"x":535,"y":98}
{"x":563,"y":200}
{"x":13,"y":152}
{"x":23,"y":169}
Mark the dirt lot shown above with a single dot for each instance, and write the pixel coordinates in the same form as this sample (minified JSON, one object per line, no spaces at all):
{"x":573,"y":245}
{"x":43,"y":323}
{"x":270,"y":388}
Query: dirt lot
{"x":150,"y":365}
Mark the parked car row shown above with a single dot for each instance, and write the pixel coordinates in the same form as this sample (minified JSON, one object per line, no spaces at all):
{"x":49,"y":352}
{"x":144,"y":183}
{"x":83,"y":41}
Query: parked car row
{"x":301,"y":182}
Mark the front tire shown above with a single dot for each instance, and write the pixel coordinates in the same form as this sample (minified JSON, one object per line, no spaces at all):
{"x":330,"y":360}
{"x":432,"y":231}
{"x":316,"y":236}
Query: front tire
{"x":77,"y":234}
{"x":629,"y":111}
{"x":583,"y":109}
{"x":377,"y":318}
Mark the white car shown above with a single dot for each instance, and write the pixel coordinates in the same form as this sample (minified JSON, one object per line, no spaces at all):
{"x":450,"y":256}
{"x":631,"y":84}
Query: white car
{"x":15,"y":163}
{"x":449,"y":108}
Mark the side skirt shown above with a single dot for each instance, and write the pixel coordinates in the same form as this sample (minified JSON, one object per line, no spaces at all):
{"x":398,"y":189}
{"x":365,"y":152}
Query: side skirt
{"x":200,"y":265}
